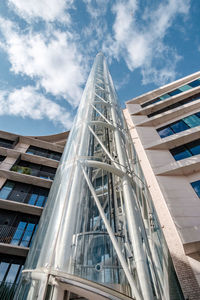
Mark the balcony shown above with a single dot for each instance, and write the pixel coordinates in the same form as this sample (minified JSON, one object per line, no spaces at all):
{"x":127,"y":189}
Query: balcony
{"x":27,"y":168}
{"x":24,"y":193}
{"x":18,"y":236}
{"x":44,"y":153}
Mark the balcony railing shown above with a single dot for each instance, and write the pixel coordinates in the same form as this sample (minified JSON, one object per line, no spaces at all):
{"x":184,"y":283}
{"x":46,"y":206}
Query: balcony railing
{"x":16,"y":235}
{"x":7,"y":290}
{"x":27,"y":198}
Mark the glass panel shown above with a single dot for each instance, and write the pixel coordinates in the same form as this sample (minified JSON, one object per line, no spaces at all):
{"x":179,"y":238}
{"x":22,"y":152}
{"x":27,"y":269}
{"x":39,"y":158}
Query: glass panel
{"x":3,"y":270}
{"x":196,"y":187}
{"x":165,"y":132}
{"x":165,"y":96}
{"x":194,"y":83}
{"x":197,"y":114}
{"x":40,"y":201}
{"x":6,"y":189}
{"x":32,"y":199}
{"x":27,"y":235}
{"x":175,"y":92}
{"x":180,"y":153}
{"x":192,"y":121}
{"x":179,"y":126}
{"x":18,"y":234}
{"x":194,"y":147}
{"x":185,"y":88}
{"x":11,"y":276}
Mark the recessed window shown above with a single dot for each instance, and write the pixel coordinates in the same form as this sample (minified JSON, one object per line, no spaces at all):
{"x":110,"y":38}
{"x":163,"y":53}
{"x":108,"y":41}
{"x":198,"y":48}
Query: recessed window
{"x":180,"y":153}
{"x":175,"y":92}
{"x":174,"y":105}
{"x":185,"y":88}
{"x":181,"y":89}
{"x":186,"y":150}
{"x":164,"y":132}
{"x":180,"y":125}
{"x":195,"y":83}
{"x":44,"y":152}
{"x":196,"y":187}
{"x":24,"y":193}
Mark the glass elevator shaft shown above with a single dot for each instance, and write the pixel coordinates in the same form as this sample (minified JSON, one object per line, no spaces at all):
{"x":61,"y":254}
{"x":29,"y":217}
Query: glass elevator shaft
{"x":99,"y":234}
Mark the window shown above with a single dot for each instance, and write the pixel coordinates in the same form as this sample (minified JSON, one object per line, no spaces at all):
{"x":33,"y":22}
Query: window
{"x":181,"y":89}
{"x":44,"y":152}
{"x":174,"y":105}
{"x":2,"y":158}
{"x":175,"y":92}
{"x":180,"y":125}
{"x":195,"y":83}
{"x":196,"y":187}
{"x":28,"y":168}
{"x":17,"y":228}
{"x":25,"y":193}
{"x":6,"y":143}
{"x":180,"y":153}
{"x":10,"y":269}
{"x":186,"y":150}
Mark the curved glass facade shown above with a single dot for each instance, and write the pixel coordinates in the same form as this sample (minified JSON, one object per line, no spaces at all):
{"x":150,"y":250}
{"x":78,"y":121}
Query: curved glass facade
{"x":99,"y":225}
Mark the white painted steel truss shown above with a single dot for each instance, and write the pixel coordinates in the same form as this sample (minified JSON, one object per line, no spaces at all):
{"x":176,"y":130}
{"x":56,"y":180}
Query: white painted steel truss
{"x":99,"y":220}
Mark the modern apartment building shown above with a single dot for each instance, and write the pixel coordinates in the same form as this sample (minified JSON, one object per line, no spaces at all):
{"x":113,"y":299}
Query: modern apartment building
{"x":165,"y":129}
{"x":27,"y":169}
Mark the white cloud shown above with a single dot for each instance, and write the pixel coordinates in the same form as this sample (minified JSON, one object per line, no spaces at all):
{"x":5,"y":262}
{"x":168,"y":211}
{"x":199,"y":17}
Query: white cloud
{"x":28,"y":102}
{"x":52,"y":59}
{"x":48,"y":10}
{"x":143,"y":44}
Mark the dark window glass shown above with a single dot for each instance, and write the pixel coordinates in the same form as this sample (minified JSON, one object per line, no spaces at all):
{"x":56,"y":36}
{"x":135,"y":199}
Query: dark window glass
{"x":192,"y":121}
{"x":175,"y":92}
{"x":44,"y":152}
{"x":196,"y":187}
{"x":6,"y":189}
{"x":180,"y":153}
{"x":6,"y":143}
{"x":179,"y":126}
{"x":194,"y":147}
{"x":197,"y":114}
{"x":164,"y":132}
{"x":25,"y":193}
{"x":194,"y":83}
{"x":172,"y":93}
{"x":17,"y":228}
{"x":174,"y":105}
{"x":2,"y":158}
{"x":165,"y":96}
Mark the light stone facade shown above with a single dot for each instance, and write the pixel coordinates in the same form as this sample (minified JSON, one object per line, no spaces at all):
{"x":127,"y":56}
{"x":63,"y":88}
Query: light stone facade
{"x":169,"y":181}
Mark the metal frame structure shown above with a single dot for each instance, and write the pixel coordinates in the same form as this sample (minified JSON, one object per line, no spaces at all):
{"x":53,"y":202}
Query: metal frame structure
{"x":99,"y":231}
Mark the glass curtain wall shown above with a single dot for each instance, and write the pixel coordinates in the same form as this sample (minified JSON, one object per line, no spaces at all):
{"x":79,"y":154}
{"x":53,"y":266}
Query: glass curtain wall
{"x":92,"y":228}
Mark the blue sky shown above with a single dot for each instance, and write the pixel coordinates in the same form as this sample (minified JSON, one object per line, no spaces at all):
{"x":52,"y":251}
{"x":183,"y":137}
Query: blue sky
{"x":47,"y":48}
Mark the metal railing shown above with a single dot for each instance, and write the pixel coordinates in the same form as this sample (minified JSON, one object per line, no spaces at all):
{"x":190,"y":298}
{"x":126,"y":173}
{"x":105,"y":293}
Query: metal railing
{"x":27,"y":198}
{"x":15,"y":236}
{"x":7,"y":290}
